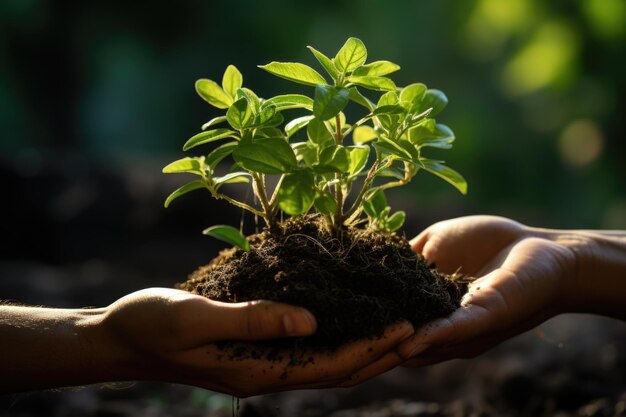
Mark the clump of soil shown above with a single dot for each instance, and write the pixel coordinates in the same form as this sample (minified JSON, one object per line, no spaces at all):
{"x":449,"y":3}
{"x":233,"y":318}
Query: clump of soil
{"x":355,"y":284}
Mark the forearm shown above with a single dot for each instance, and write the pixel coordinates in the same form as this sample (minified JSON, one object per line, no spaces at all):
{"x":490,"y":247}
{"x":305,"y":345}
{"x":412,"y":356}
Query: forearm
{"x":49,"y":348}
{"x":599,"y":283}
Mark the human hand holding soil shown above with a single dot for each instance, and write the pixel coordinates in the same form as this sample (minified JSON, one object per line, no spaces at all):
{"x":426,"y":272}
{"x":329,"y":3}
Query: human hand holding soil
{"x":172,"y":333}
{"x":168,"y":335}
{"x":524,"y":276}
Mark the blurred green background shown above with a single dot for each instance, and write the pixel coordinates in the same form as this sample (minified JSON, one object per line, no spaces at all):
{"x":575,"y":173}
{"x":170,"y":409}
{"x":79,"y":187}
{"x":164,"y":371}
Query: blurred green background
{"x":96,"y":97}
{"x":536,"y":88}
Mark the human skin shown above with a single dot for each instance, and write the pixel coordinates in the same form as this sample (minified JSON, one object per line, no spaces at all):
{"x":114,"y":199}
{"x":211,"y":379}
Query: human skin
{"x":168,"y":335}
{"x":524,"y":276}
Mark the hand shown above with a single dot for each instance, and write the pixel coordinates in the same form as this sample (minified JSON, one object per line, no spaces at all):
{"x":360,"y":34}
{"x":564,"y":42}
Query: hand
{"x":520,"y":282}
{"x":169,"y":335}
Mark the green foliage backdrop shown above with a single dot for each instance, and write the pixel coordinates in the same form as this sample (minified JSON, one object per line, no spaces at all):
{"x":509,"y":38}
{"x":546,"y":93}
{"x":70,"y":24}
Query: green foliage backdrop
{"x":536,"y":88}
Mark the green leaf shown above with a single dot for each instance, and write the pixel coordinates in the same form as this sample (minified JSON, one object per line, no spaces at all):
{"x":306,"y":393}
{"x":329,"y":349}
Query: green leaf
{"x":420,"y":133}
{"x":329,"y":101}
{"x":290,"y":101}
{"x":357,"y":97}
{"x":190,"y":186}
{"x":396,"y":220}
{"x":442,"y":138}
{"x":388,"y":99}
{"x":412,"y":95}
{"x":390,"y":172}
{"x":275,"y":121}
{"x":296,"y":193}
{"x":434,"y":99}
{"x":318,"y":133}
{"x":297,"y":124}
{"x":188,"y":165}
{"x":307,"y":152}
{"x":389,"y":109}
{"x":362,"y":134}
{"x":375,"y":203}
{"x":219,"y":153}
{"x":265,"y":116}
{"x":446,"y":173}
{"x":351,"y":56}
{"x":213,"y":94}
{"x":334,"y":158}
{"x":294,"y":71}
{"x":358,"y":158}
{"x":326,"y":62}
{"x":253,"y":100}
{"x":267,"y":132}
{"x":239,"y":115}
{"x":373,"y":83}
{"x":376,"y":69}
{"x":325,"y":203}
{"x":229,"y":235}
{"x":265,"y":155}
{"x":232,"y":178}
{"x":232,"y":80}
{"x":209,"y":136}
{"x":402,"y":149}
{"x":389,"y":148}
{"x":444,"y":132}
{"x":214,"y":121}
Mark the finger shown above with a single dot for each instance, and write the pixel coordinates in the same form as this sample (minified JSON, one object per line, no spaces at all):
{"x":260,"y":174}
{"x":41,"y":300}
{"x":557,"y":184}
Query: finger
{"x":465,"y":323}
{"x":257,"y":374}
{"x":382,"y":365}
{"x":472,"y":347}
{"x":254,"y":320}
{"x":418,"y":242}
{"x":350,"y":358}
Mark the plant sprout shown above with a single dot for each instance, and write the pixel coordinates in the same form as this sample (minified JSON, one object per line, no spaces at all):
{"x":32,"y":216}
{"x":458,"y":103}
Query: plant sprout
{"x":338,"y":160}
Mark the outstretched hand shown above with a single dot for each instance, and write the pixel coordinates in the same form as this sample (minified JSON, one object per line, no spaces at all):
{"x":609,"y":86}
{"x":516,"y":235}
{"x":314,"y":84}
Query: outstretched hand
{"x":519,"y":273}
{"x":169,"y":335}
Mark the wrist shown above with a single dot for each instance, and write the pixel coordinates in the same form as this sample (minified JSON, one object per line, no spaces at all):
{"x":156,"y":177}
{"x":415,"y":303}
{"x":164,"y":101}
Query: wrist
{"x":106,"y":358}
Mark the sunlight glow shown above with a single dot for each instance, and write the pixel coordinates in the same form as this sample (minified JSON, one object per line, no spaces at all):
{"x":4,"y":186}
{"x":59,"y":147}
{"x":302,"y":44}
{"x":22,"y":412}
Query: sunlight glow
{"x":549,"y":59}
{"x":607,"y":18}
{"x":493,"y":21}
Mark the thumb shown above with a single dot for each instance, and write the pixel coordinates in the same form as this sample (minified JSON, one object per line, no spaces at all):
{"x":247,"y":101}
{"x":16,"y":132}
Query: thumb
{"x":255,"y":320}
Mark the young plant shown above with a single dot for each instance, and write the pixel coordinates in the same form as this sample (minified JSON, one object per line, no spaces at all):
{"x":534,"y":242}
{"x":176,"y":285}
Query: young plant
{"x":337,"y":160}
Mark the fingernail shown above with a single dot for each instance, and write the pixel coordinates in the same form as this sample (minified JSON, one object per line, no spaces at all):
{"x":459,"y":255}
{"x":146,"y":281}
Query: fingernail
{"x":301,"y":323}
{"x":419,"y":349}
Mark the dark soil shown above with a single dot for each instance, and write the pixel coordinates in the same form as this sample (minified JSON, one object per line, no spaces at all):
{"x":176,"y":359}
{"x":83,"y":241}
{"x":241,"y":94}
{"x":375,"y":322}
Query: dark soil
{"x":355,"y":285}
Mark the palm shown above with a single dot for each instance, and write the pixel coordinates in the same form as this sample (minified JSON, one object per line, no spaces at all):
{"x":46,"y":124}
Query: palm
{"x":517,"y":284}
{"x":171,"y":335}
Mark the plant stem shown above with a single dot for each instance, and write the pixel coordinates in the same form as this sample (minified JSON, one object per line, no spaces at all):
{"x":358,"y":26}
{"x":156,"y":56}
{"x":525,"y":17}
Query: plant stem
{"x":366,"y":185}
{"x":259,"y":189}
{"x":338,"y":223}
{"x":407,"y":177}
{"x":239,"y":204}
{"x":274,"y":198}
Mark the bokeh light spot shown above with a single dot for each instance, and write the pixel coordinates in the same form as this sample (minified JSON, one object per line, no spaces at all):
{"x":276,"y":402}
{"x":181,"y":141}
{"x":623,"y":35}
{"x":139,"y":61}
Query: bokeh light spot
{"x":607,"y":18}
{"x":493,"y":21}
{"x":581,"y":143}
{"x":549,"y":59}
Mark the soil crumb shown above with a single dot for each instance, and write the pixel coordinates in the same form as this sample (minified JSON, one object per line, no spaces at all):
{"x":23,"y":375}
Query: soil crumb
{"x":355,"y":285}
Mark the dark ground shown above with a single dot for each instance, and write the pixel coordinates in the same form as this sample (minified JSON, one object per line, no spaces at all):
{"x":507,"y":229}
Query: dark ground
{"x":80,"y":235}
